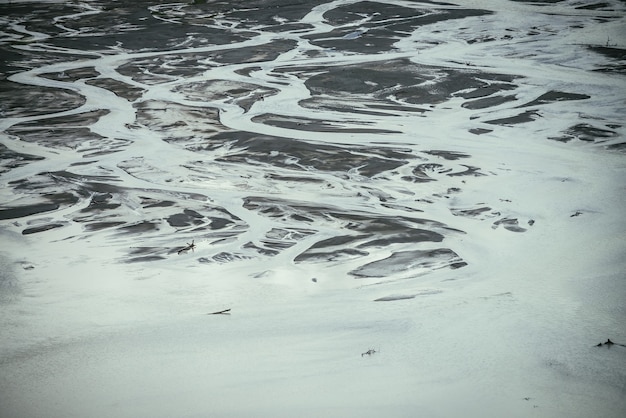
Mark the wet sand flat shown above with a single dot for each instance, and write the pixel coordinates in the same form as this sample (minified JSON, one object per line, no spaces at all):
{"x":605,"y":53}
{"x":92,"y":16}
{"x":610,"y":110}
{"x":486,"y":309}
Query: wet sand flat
{"x":288,"y":164}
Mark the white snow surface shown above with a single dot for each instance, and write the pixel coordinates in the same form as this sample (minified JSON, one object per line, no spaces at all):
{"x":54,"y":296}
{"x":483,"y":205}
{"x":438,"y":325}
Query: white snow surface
{"x":84,"y":332}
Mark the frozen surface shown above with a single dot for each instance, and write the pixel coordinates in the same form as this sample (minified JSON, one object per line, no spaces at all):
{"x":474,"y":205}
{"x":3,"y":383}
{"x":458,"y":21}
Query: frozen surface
{"x":410,"y":209}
